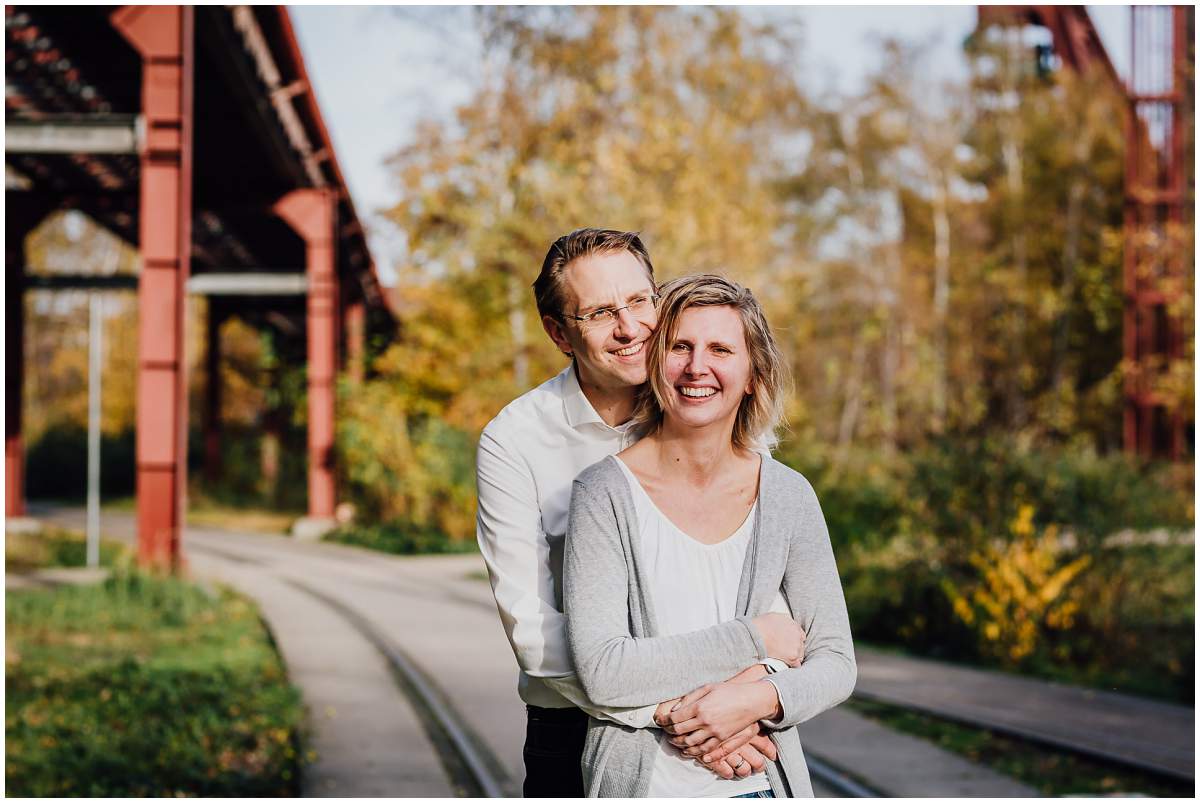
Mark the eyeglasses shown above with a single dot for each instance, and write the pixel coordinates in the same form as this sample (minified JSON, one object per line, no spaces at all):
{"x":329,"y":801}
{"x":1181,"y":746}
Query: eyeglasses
{"x":606,"y":316}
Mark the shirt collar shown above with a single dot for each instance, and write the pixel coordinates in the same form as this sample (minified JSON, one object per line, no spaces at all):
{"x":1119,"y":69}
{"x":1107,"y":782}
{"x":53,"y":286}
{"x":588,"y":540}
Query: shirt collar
{"x":578,"y":409}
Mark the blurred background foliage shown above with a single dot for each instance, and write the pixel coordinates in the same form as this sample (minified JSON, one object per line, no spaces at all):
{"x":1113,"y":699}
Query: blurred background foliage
{"x":942,"y":263}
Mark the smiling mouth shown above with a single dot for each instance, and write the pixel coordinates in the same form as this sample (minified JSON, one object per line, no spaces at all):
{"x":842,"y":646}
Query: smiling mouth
{"x":630,"y":350}
{"x":698,"y":393}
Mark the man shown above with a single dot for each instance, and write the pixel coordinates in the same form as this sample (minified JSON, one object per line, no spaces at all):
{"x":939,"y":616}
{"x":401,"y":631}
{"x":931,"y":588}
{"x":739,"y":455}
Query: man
{"x":595,"y":295}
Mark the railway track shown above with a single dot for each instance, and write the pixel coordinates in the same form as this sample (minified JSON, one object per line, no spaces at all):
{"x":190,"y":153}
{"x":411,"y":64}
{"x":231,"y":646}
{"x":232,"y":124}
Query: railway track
{"x":469,"y":763}
{"x":470,"y":755}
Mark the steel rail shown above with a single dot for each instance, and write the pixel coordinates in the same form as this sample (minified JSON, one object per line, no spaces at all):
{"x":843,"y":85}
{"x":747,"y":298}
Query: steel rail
{"x":839,"y":782}
{"x":467,"y":760}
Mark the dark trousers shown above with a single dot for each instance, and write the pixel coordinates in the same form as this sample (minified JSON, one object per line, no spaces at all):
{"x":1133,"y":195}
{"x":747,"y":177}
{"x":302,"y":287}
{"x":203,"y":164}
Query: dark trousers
{"x":553,"y":752}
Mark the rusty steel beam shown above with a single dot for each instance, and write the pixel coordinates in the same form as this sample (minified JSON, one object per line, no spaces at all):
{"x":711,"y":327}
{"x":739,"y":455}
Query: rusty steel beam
{"x":281,"y":94}
{"x":73,"y":134}
{"x":164,"y":37}
{"x":1075,"y":38}
{"x":292,"y":283}
{"x":312,"y":214}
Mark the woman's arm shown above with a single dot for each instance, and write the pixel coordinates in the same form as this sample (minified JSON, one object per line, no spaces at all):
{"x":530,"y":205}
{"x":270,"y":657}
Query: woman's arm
{"x":713,"y":713}
{"x":614,"y":668}
{"x":814,"y":593}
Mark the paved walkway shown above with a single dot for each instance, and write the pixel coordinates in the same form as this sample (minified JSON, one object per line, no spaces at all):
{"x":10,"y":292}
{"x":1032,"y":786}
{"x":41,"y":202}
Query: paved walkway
{"x":370,"y":742}
{"x":366,"y":739}
{"x":901,"y":765}
{"x":1155,"y":735}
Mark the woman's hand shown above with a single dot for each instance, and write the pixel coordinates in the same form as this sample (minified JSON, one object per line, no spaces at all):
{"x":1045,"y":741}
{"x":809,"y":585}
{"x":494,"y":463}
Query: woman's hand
{"x":749,"y":758}
{"x":714,"y":749}
{"x":721,"y":710}
{"x":783,"y":637}
{"x":662,"y":714}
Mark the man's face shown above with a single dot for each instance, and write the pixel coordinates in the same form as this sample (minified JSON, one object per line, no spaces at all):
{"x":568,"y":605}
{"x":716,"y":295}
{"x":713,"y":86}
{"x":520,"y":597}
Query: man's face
{"x":608,"y":355}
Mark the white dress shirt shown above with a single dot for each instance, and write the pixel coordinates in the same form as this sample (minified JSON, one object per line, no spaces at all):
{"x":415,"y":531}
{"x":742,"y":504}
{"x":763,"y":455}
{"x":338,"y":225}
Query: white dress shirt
{"x":528,"y":457}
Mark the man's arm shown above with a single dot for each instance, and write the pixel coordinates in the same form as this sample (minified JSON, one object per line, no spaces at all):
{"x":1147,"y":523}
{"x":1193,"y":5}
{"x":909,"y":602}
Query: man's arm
{"x":508,"y":528}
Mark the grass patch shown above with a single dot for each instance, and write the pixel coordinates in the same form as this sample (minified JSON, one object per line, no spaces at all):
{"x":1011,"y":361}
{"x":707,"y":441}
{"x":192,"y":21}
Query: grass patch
{"x":145,"y":686}
{"x":120,"y":503}
{"x":24,"y":552}
{"x":253,"y":520}
{"x":401,"y":539}
{"x":1053,"y":773}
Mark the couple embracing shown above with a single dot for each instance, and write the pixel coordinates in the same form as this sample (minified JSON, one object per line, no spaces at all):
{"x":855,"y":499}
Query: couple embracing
{"x":669,"y":589}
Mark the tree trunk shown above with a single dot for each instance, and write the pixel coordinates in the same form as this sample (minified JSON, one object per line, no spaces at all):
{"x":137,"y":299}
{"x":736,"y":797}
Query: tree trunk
{"x":1074,"y":225}
{"x":941,"y":298}
{"x":852,"y":404}
{"x":1011,"y":154}
{"x":516,"y":325}
{"x":891,"y":353}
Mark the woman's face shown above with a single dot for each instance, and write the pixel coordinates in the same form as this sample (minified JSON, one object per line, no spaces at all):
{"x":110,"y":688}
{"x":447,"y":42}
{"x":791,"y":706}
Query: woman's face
{"x":707,"y":368}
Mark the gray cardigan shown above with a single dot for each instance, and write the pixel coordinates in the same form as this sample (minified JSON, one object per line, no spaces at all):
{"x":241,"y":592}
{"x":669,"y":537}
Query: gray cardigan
{"x":621,"y":661}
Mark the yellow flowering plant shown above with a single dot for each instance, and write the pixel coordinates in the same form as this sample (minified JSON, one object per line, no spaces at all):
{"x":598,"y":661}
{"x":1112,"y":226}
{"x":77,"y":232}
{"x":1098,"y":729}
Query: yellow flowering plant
{"x":1022,"y":588}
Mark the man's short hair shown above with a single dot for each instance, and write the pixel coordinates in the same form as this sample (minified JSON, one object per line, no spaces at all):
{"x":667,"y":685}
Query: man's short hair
{"x":548,"y":288}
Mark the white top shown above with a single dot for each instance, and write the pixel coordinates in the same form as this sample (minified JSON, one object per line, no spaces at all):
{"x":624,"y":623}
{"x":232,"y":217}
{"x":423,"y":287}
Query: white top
{"x":528,"y":457}
{"x":693,"y":586}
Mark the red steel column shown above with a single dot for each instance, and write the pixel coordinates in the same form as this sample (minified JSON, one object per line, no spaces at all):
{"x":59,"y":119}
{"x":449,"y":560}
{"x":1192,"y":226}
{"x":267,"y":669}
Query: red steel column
{"x":21,"y":216}
{"x":164,"y":36}
{"x":311,"y":212}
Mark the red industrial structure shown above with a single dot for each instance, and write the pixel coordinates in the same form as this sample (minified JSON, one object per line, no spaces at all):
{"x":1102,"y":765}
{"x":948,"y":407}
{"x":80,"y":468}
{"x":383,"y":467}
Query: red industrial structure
{"x":192,"y":133}
{"x":1157,"y":130}
{"x":1158,"y":194}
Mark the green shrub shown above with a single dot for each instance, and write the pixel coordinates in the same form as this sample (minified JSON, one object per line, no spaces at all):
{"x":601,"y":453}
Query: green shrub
{"x":1134,"y":629}
{"x":53,"y":548}
{"x":404,"y":464}
{"x":241,"y":482}
{"x":145,"y":686}
{"x":400,"y":538}
{"x":56,"y":464}
{"x":902,"y":528}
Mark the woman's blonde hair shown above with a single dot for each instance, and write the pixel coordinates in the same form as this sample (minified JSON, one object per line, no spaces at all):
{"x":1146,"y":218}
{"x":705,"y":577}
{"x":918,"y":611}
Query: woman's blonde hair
{"x":760,"y":413}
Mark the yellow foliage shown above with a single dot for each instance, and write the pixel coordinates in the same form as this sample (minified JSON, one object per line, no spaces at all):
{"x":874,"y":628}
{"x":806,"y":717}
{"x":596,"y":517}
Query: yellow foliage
{"x":1021,"y":589}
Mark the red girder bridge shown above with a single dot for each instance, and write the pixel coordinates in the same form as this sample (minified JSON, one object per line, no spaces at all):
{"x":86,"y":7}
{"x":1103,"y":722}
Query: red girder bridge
{"x":193,"y":134}
{"x":1159,"y":195}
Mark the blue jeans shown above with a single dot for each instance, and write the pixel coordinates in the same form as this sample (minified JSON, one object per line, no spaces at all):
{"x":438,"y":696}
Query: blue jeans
{"x":764,"y":793}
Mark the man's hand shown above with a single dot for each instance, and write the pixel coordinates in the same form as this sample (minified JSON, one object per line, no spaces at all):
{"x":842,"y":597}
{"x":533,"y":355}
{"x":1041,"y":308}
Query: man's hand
{"x":721,"y":710}
{"x":662,"y":714}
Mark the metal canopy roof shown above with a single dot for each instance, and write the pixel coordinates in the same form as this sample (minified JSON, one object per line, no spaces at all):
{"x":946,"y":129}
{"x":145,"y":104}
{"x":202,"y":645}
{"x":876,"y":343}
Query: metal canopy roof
{"x":72,"y":98}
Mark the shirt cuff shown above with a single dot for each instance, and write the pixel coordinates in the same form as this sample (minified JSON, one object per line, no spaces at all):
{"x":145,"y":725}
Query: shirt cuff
{"x":774,"y":665}
{"x":775,"y":724}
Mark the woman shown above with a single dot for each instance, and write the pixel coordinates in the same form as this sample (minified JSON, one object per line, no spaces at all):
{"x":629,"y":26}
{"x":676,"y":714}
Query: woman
{"x":694,"y":525}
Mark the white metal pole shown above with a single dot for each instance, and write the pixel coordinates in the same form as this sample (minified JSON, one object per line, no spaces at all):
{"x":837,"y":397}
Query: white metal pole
{"x":95,"y":352}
